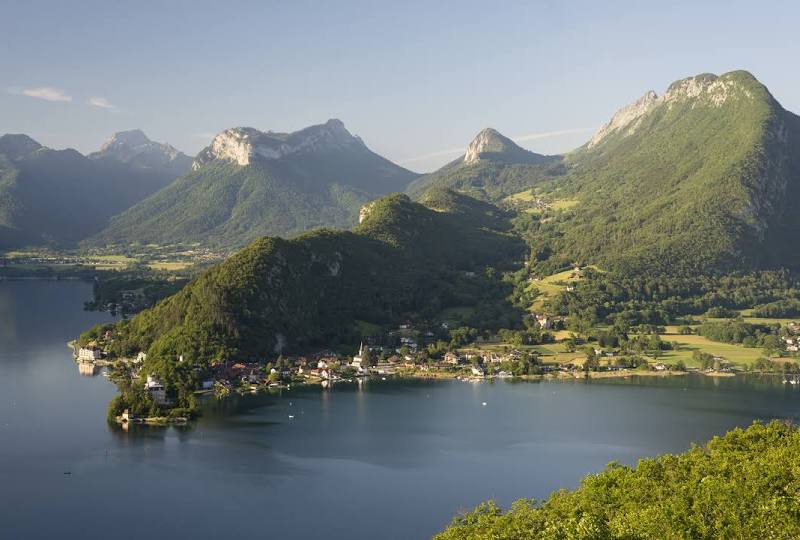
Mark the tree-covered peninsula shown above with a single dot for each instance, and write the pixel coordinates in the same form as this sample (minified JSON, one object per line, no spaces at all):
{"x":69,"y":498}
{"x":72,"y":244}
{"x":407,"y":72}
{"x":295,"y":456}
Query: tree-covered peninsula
{"x":404,"y":260}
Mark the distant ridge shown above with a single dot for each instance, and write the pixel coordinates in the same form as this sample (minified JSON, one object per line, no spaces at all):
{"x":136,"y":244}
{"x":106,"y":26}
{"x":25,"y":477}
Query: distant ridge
{"x":248,"y":183}
{"x":59,"y":197}
{"x":133,"y":147}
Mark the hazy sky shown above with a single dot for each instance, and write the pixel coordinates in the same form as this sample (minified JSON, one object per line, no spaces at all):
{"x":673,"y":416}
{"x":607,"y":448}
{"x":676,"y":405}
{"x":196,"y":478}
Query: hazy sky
{"x":416,"y":80}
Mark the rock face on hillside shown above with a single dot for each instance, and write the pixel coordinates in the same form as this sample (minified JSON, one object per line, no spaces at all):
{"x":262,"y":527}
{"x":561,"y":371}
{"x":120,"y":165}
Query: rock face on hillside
{"x":626,"y":118}
{"x":242,"y":145}
{"x":489,"y":141}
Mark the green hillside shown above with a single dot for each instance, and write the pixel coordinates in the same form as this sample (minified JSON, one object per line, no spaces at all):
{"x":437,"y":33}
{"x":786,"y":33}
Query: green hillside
{"x":249,"y":184}
{"x":741,"y":485}
{"x":59,"y":197}
{"x":702,"y":179}
{"x":283,"y":295}
{"x":492,"y":168}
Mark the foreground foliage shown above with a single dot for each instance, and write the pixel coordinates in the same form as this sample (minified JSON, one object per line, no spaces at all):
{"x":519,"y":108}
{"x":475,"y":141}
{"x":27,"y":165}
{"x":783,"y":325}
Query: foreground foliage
{"x":745,"y":484}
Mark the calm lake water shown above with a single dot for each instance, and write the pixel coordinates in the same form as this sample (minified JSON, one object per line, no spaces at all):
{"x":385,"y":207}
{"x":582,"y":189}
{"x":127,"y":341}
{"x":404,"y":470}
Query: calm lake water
{"x":381,"y":460}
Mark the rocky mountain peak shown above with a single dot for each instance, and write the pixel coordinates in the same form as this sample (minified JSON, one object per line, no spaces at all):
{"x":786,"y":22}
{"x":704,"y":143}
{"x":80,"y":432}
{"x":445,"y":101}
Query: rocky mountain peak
{"x":130,"y":138}
{"x":243,"y":144}
{"x":134,"y":145}
{"x":487,"y":141}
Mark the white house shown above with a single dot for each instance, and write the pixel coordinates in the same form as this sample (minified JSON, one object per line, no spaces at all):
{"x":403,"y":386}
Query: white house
{"x":90,"y":353}
{"x":156,"y":390}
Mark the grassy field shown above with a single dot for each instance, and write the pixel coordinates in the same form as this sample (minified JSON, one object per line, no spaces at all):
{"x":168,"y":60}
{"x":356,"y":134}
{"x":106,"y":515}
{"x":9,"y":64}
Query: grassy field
{"x":110,"y":262}
{"x":169,"y":266}
{"x":521,"y":197}
{"x":736,"y":354}
{"x":563,"y":204}
{"x":165,"y":258}
{"x":552,"y":285}
{"x":528,"y":197}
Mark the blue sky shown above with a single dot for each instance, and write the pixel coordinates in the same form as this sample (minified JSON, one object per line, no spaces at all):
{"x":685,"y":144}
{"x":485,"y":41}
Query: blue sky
{"x":416,"y":80}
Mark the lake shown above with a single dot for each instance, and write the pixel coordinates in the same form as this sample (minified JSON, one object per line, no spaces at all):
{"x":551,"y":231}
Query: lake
{"x":386,"y":459}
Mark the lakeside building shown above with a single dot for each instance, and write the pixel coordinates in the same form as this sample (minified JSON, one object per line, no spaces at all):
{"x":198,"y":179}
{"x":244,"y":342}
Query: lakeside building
{"x":90,"y":353}
{"x":156,"y":390}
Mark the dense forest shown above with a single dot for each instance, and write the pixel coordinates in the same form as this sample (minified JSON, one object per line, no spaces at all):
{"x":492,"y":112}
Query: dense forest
{"x":744,"y":484}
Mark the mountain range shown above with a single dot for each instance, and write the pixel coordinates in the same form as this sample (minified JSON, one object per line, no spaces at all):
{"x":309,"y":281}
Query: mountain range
{"x":59,"y":197}
{"x":248,"y":183}
{"x":703,"y":178}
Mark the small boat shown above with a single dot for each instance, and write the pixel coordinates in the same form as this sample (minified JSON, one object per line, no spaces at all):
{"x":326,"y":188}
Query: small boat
{"x":483,"y":403}
{"x":291,"y":416}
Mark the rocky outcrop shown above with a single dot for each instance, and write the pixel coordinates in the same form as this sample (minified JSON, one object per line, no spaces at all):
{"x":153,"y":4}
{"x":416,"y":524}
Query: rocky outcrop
{"x":242,"y":145}
{"x":627,"y":118}
{"x":488,"y":140}
{"x":706,"y":89}
{"x":364,"y":211}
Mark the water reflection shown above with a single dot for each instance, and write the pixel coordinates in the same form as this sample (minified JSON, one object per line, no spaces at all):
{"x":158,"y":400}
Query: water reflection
{"x":87,"y":369}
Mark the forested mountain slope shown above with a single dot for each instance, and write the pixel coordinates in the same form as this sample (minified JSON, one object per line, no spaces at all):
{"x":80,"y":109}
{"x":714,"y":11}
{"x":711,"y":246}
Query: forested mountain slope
{"x":705,"y":178}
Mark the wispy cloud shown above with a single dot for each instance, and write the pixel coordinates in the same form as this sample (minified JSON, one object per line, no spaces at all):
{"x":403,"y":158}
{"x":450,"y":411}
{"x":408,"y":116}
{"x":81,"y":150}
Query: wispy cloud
{"x":438,"y":153}
{"x":551,"y":134}
{"x":517,"y":139}
{"x":47,"y":93}
{"x":101,"y":103}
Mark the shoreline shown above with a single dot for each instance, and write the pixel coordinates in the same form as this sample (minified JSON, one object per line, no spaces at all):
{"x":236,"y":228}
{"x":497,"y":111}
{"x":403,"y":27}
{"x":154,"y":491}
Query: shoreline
{"x":126,"y":421}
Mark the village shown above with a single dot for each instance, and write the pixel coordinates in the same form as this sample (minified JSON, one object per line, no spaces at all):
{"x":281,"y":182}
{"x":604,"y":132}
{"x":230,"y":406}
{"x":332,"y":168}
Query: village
{"x":405,"y":352}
